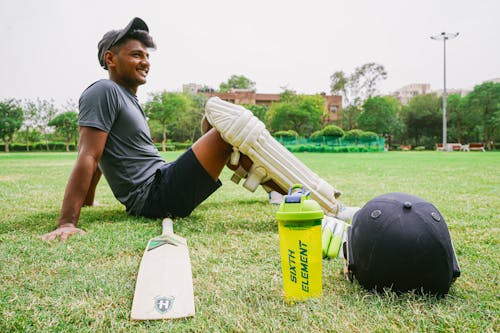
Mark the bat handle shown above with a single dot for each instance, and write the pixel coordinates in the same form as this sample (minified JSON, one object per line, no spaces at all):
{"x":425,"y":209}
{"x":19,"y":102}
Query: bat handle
{"x":167,"y":226}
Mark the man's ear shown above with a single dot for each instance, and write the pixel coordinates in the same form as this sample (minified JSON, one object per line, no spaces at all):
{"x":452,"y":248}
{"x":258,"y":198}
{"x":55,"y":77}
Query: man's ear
{"x":109,"y":58}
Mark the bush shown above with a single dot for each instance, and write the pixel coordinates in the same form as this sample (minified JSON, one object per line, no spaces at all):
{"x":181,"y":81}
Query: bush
{"x":419,"y":148}
{"x":327,"y":134}
{"x":368,"y":135}
{"x":172,"y":146}
{"x":316,"y":136}
{"x":427,"y":142}
{"x":286,"y":134}
{"x":332,"y":149}
{"x":39,"y":146}
{"x":353,"y":135}
{"x":357,"y":149}
{"x":168,"y":146}
{"x":182,"y":145}
{"x":332,"y":130}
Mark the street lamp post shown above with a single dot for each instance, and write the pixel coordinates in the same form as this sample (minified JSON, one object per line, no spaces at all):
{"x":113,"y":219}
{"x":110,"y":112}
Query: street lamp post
{"x":444,"y":37}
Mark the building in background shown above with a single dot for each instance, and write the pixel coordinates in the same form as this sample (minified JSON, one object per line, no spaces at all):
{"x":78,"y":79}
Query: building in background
{"x":496,"y":80}
{"x":333,"y":103}
{"x":191,"y":88}
{"x":461,"y":92}
{"x":243,"y":96}
{"x":407,"y":92}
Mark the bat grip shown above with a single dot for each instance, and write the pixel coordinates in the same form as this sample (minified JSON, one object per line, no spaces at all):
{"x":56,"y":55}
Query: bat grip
{"x":167,"y":226}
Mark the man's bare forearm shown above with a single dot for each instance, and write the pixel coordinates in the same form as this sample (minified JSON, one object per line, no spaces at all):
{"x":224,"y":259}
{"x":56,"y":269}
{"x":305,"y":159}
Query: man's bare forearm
{"x":89,"y":199}
{"x":77,"y":189}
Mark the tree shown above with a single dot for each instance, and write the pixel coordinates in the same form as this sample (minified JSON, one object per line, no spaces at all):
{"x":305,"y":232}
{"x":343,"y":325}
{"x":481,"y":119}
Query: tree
{"x":358,"y":86}
{"x":350,"y":115}
{"x":339,"y":85}
{"x":423,"y":120}
{"x":300,"y":113}
{"x":258,"y":110}
{"x":462,"y":123}
{"x":237,"y":82}
{"x":381,"y":115}
{"x":71,"y":106}
{"x":11,"y":119}
{"x":484,"y":101}
{"x":24,"y":135}
{"x":166,"y":107}
{"x":66,"y":125}
{"x":188,"y":124}
{"x":31,"y":120}
{"x":38,"y":114}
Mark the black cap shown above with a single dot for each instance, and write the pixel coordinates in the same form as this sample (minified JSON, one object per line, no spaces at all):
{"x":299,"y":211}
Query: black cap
{"x":112,"y":37}
{"x":402,"y":242}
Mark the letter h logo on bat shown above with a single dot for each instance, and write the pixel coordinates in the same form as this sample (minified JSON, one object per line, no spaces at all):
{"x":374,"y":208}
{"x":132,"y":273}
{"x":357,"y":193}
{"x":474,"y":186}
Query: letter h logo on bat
{"x":163,"y":304}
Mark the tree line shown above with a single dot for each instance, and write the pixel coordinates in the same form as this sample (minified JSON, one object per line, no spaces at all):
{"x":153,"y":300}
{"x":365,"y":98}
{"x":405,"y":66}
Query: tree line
{"x":175,"y":116}
{"x":39,"y":122}
{"x":474,"y":117}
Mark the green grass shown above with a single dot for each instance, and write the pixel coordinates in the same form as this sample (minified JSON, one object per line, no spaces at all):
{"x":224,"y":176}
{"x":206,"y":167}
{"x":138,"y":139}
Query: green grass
{"x":87,"y":283}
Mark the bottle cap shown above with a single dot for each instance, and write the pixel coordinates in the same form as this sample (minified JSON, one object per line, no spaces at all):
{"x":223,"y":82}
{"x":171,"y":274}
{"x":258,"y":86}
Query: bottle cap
{"x":297,"y":206}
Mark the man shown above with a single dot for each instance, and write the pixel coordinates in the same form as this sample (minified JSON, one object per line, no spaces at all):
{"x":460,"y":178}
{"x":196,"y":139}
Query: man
{"x":115,"y":139}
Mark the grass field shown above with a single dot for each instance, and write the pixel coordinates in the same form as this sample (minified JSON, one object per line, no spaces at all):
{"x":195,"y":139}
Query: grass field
{"x":87,"y":283}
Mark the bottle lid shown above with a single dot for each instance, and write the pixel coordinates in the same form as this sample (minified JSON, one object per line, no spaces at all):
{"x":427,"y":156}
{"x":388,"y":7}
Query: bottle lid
{"x":297,"y":205}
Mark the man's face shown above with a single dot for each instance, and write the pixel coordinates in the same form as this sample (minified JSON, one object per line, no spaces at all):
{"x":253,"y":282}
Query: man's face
{"x":129,"y":66}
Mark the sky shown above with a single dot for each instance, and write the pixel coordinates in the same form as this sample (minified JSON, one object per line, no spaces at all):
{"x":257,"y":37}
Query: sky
{"x":49,"y":48}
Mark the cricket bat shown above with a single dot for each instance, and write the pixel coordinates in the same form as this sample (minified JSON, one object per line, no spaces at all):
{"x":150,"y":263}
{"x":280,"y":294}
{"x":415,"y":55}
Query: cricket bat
{"x":164,"y":287}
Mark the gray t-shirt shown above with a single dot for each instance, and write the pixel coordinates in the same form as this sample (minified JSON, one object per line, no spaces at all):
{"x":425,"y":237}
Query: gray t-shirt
{"x":130,"y":159}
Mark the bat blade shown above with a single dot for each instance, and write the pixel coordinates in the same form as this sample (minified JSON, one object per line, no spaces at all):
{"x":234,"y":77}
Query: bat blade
{"x":164,"y":287}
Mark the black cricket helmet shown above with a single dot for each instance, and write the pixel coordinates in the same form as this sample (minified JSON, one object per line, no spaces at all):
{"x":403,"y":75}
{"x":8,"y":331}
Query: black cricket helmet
{"x":402,"y":242}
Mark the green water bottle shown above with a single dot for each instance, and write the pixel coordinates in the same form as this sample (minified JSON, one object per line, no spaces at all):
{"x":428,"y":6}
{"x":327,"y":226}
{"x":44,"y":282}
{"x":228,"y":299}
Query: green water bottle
{"x":299,"y":225}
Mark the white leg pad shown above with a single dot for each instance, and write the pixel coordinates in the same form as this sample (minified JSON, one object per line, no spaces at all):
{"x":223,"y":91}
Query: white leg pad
{"x":240,"y":128}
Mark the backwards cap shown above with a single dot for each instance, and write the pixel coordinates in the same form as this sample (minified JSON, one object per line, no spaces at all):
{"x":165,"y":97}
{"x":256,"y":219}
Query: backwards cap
{"x":112,"y":37}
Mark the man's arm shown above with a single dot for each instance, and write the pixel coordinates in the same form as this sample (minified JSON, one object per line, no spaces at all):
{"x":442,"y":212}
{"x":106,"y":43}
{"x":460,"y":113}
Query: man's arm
{"x":81,"y":183}
{"x":89,"y":199}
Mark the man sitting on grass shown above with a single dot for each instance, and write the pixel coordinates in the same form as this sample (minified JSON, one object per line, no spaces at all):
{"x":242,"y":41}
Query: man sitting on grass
{"x":115,"y":139}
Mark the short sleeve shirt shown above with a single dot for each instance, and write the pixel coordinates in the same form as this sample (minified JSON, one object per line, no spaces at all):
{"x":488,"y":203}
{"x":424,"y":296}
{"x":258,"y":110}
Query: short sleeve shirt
{"x":130,"y":159}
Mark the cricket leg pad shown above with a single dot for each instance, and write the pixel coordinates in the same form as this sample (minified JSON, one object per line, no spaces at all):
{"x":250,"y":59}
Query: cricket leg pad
{"x":271,"y":160}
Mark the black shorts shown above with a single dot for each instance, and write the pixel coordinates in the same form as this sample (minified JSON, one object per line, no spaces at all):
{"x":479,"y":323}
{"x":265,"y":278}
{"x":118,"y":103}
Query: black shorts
{"x":178,"y":188}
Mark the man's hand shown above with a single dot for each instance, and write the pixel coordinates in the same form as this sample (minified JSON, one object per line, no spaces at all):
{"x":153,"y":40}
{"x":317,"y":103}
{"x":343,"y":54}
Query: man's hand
{"x":64,"y":231}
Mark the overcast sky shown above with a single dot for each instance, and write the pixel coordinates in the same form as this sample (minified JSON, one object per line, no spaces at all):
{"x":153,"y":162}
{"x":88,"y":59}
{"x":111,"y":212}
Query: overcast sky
{"x":49,"y":47}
